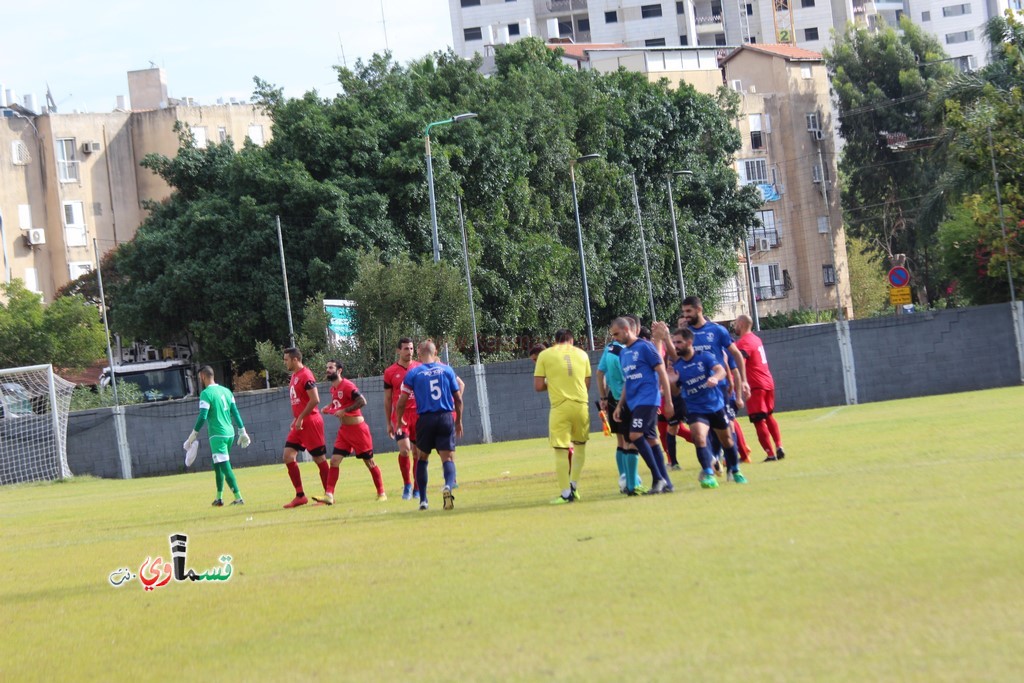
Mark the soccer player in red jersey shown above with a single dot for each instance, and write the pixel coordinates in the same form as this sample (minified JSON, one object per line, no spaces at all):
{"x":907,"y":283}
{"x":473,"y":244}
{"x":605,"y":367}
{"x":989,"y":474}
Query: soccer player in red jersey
{"x":761,"y":404}
{"x":307,"y":428}
{"x":404,"y":436}
{"x":353,"y":435}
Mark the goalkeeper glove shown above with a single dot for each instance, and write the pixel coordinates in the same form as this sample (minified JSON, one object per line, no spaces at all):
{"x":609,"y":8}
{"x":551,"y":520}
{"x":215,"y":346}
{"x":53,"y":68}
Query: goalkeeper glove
{"x":191,"y":438}
{"x":243,"y":438}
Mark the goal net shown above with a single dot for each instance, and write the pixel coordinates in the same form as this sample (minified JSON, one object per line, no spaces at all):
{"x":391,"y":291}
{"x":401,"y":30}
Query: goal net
{"x":34,"y":406}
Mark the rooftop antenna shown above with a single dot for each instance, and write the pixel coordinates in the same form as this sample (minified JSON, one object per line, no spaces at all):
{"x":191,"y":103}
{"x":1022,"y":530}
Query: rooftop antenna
{"x":384,"y":22}
{"x":50,"y":104}
{"x":341,"y":46}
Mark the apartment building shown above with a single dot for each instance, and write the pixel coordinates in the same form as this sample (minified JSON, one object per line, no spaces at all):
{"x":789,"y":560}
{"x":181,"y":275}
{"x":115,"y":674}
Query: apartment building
{"x":69,"y":179}
{"x":797,"y":257}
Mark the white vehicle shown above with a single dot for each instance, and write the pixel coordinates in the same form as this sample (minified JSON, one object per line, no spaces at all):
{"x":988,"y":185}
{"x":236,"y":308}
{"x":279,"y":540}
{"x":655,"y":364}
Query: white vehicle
{"x":161,"y":380}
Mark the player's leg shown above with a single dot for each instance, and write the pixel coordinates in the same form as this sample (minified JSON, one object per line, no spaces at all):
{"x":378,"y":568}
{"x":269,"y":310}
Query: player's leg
{"x":292,"y":446}
{"x":445,"y":445}
{"x":313,"y":440}
{"x":560,"y":437}
{"x":378,"y":478}
{"x":580,"y":436}
{"x":773,"y":426}
{"x":658,"y":457}
{"x":699,"y":432}
{"x":642,"y":430}
{"x":340,"y":452}
{"x":404,"y":459}
{"x":411,"y":420}
{"x":229,"y":476}
{"x":424,"y":445}
{"x":218,"y":472}
{"x":720,"y":424}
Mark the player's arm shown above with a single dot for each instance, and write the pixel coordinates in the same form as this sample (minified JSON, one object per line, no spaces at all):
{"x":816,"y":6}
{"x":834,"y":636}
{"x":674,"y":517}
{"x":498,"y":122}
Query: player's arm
{"x":387,"y":410}
{"x":204,"y":412}
{"x":666,"y":389}
{"x":660,"y":332}
{"x":539,"y":375}
{"x":457,"y":400}
{"x":403,"y":398}
{"x":358,"y":401}
{"x":620,"y":405}
{"x":717,"y":375}
{"x":741,"y":367}
{"x":236,"y":417}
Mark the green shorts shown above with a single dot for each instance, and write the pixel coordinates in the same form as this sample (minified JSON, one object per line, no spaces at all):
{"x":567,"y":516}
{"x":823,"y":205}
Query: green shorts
{"x":220,"y":446}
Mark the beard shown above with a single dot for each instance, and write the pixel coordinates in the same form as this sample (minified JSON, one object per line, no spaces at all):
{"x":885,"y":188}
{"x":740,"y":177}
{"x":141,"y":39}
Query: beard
{"x":332,"y":376}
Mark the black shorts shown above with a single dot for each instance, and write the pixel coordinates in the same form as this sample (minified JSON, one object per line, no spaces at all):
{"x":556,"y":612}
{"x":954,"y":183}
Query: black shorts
{"x":618,"y":426}
{"x":678,"y":410}
{"x":644,"y":419}
{"x":435,"y":431}
{"x":716,"y":420}
{"x":349,"y":454}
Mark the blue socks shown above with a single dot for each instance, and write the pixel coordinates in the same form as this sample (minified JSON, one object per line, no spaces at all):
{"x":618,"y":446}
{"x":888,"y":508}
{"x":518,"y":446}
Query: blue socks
{"x":620,"y":462}
{"x":449,"y":473}
{"x":704,"y":457}
{"x":421,"y":479}
{"x":647,"y":454}
{"x":732,"y":458}
{"x":670,"y":444}
{"x":659,"y":460}
{"x":631,"y":461}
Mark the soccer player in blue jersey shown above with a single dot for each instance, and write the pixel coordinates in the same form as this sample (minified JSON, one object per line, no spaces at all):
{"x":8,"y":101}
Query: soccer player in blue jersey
{"x":438,"y":392}
{"x":609,"y":384}
{"x":645,"y":382}
{"x":700,"y":374}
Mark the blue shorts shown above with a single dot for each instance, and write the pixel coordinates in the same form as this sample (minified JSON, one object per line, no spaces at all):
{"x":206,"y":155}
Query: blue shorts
{"x":678,"y":410}
{"x":716,"y":420}
{"x":435,"y":431}
{"x":644,"y":419}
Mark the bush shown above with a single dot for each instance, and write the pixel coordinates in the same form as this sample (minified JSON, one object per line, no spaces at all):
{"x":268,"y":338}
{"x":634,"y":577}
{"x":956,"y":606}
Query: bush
{"x":87,"y":398}
{"x":803,"y":316}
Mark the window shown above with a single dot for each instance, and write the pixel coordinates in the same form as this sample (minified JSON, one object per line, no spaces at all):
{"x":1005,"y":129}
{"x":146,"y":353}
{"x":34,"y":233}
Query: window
{"x":67,"y":162}
{"x":76,"y":269}
{"x":828,"y":274}
{"x":31,"y":280}
{"x":716,"y":10}
{"x":823,"y":226}
{"x":650,"y":11}
{"x":683,"y":40}
{"x":753,"y":171}
{"x":956,"y":10}
{"x":25,"y":216}
{"x":959,"y":37}
{"x":470,"y":3}
{"x":655,"y":42}
{"x":680,"y":8}
{"x":806,"y":73}
{"x":756,"y":132}
{"x":222,"y":134}
{"x":565,"y":26}
{"x":750,"y":10}
{"x":965,"y":63}
{"x":256,"y":134}
{"x":19,"y":153}
{"x":767,"y":230}
{"x":611,"y":17}
{"x":473,"y":33}
{"x":768,"y":282}
{"x":513,"y":29}
{"x":719,"y":39}
{"x":810,"y":34}
{"x":817,"y":175}
{"x":74,"y":225}
{"x":199,"y":136}
{"x":730,"y":292}
{"x":583,"y":24}
{"x":812,"y":121}
{"x":926,"y":16}
{"x":807,"y":3}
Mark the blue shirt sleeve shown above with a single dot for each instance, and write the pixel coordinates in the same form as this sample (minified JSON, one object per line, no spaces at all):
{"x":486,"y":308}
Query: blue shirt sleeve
{"x":409,"y":377}
{"x":651,"y":355}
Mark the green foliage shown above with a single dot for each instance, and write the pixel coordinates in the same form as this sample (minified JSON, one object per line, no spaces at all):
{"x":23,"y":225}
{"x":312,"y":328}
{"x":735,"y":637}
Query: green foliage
{"x":803,"y":316}
{"x":885,"y":83}
{"x":868,"y":286}
{"x":67,"y":333}
{"x":87,"y":398}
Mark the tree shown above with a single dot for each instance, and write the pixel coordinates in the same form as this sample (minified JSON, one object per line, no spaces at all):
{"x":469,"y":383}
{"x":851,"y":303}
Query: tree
{"x":868,"y":287}
{"x":66,"y":333}
{"x":892,"y":158}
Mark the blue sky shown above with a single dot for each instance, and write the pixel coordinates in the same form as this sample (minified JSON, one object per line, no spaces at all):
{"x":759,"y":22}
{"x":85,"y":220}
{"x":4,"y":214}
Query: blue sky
{"x":208,"y":49}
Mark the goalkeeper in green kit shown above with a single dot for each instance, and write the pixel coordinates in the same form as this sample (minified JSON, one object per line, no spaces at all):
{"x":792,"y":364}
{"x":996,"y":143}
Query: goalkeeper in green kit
{"x":217,"y":405}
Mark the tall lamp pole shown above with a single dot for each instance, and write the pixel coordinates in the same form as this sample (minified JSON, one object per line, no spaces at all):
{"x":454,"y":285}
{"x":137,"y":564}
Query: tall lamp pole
{"x":643,"y":246}
{"x":675,"y":231}
{"x":469,"y":282}
{"x":579,"y":236}
{"x":430,"y":184}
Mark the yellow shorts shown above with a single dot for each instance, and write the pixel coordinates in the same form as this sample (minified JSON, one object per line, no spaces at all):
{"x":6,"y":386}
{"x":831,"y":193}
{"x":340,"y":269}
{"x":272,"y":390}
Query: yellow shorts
{"x":569,"y":422}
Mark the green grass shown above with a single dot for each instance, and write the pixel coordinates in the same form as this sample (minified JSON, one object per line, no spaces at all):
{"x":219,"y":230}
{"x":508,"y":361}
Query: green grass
{"x":887,"y":546}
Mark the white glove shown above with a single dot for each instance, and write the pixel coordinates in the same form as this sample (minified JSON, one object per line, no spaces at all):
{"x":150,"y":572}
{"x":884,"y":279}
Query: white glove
{"x":191,"y":438}
{"x":243,"y":438}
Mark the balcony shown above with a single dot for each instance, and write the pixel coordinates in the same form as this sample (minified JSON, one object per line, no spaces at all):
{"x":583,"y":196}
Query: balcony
{"x":773,"y":291}
{"x":555,"y":6}
{"x":711,"y":23}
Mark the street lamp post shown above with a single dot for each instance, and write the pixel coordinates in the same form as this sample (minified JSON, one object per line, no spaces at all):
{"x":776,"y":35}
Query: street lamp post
{"x":675,"y":231}
{"x":430,"y":177}
{"x":430,"y":185}
{"x":643,"y":246}
{"x":579,"y":236}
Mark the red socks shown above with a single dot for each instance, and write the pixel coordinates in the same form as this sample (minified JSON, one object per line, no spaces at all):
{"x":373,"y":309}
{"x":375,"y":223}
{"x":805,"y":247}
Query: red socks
{"x":332,"y":479}
{"x":378,"y":480}
{"x":763,"y":437}
{"x":741,"y":441}
{"x":295,"y":476}
{"x":405,"y":465}
{"x":325,"y":470}
{"x":773,"y":427}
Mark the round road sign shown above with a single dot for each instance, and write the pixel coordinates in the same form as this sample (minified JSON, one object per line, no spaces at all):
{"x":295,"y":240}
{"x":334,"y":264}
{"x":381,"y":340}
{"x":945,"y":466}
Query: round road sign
{"x":899,"y":277}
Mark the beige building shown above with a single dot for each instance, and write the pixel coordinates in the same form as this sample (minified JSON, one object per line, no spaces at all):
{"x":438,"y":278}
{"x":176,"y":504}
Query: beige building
{"x":798,"y":257}
{"x":67,"y":179}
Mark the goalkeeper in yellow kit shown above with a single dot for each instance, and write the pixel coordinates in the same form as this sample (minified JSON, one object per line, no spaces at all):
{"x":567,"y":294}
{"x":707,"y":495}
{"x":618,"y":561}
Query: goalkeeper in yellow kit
{"x":217,"y":406}
{"x":564,"y":371}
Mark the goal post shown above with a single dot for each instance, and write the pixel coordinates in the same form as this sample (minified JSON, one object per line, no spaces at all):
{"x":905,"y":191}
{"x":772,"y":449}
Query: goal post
{"x":34,"y":407}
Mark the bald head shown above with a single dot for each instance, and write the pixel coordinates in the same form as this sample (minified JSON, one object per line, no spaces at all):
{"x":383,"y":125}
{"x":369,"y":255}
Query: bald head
{"x":622,"y":331}
{"x":427,"y":352}
{"x":742,"y":324}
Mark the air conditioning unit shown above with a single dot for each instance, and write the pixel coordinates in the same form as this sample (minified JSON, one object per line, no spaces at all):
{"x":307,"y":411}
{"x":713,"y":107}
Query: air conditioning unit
{"x":90,"y":146}
{"x":818,"y":134}
{"x":35,"y":237}
{"x":763,"y":244}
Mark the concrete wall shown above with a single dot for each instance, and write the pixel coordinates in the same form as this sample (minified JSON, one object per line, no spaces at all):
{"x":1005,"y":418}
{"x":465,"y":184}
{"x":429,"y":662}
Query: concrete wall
{"x":913,"y":355}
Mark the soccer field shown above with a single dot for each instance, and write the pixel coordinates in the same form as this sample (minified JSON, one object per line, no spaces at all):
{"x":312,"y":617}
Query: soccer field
{"x":888,"y":546}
